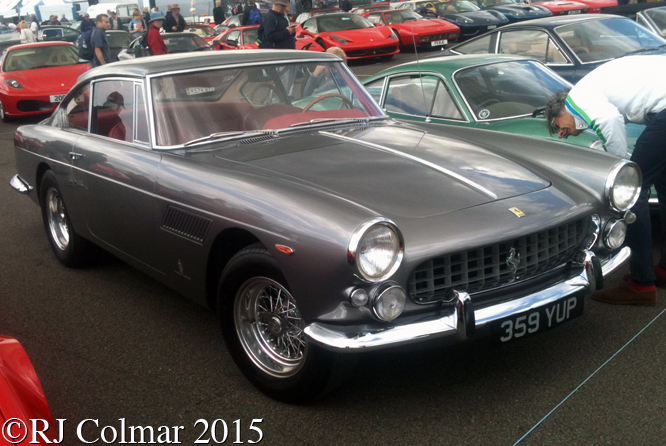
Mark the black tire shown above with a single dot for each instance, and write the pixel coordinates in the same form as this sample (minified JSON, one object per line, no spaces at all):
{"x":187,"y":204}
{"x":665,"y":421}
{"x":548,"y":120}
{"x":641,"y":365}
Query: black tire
{"x":254,"y":272}
{"x":70,"y":249}
{"x":3,"y":116}
{"x":400,"y":45}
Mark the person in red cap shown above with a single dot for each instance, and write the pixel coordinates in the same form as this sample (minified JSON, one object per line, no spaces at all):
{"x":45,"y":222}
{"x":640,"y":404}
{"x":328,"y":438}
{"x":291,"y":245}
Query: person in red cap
{"x":154,"y":38}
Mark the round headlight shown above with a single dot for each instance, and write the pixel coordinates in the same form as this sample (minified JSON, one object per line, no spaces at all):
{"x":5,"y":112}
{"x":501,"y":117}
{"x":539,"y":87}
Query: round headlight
{"x":615,"y":233}
{"x":389,"y":303}
{"x":623,"y":185}
{"x":376,"y":250}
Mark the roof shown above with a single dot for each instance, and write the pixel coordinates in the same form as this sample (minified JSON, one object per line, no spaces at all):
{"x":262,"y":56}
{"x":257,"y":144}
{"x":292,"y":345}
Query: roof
{"x":186,"y":61}
{"x":551,"y":22}
{"x":449,"y":64}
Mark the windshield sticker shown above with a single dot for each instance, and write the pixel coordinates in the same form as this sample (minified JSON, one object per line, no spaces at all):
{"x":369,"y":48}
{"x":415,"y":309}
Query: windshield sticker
{"x":346,"y":18}
{"x":198,"y":90}
{"x":484,"y":114}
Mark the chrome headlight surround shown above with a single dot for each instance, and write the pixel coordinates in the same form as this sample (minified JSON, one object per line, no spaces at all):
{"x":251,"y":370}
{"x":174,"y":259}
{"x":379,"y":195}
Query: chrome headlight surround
{"x":357,"y":240}
{"x":388,"y":301}
{"x":619,"y":173}
{"x":615,"y":233}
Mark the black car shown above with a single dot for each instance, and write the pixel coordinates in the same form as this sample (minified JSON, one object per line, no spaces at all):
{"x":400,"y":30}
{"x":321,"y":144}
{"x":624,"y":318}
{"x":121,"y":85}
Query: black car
{"x":58,"y":33}
{"x":570,"y":45}
{"x":514,"y":11}
{"x":649,"y":15}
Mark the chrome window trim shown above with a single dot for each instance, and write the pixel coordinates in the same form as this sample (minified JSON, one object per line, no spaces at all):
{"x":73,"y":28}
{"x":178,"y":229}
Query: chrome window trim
{"x":70,"y":95}
{"x":149,"y":89}
{"x":422,"y":73}
{"x":453,"y":78}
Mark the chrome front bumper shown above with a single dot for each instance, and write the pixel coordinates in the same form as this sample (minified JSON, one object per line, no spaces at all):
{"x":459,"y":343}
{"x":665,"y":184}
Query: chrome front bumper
{"x":463,"y":321}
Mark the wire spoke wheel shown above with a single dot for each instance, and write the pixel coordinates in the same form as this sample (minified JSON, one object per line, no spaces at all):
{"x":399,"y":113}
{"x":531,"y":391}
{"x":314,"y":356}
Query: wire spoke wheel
{"x":269,"y":327}
{"x":57,"y":219}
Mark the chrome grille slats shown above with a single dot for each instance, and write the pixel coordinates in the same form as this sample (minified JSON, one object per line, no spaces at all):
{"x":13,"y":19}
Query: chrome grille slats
{"x":486,"y":268}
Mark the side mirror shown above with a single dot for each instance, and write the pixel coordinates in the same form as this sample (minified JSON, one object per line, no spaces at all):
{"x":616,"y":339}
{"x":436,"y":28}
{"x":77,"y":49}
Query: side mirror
{"x":378,"y":24}
{"x":232,"y":42}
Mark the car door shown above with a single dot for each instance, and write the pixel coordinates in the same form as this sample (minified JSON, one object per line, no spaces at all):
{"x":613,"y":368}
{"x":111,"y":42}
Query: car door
{"x":70,"y":35}
{"x":115,"y":169}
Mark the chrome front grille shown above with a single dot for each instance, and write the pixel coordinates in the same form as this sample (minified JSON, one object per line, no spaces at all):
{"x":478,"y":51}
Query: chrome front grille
{"x":493,"y":266}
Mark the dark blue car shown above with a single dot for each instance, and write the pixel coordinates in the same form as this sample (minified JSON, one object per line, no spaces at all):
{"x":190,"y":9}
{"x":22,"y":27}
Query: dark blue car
{"x":514,"y":11}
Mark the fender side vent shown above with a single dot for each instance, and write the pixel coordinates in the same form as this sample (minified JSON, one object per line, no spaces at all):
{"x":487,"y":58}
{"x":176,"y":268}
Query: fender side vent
{"x":186,"y":224}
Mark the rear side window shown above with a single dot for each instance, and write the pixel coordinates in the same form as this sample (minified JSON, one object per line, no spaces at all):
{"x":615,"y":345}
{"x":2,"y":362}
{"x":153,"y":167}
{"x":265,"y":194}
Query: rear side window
{"x":78,"y":110}
{"x":529,"y":43}
{"x":477,"y":46}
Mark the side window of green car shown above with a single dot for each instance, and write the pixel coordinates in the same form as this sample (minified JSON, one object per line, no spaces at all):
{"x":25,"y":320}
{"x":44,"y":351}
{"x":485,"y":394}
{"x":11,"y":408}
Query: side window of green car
{"x":375,"y":89}
{"x":420,"y":96}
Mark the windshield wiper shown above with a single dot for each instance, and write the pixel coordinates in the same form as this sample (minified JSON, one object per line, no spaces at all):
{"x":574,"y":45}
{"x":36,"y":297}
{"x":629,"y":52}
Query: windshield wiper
{"x":644,"y":50}
{"x":538,"y":111}
{"x":220,"y":135}
{"x":326,"y":120}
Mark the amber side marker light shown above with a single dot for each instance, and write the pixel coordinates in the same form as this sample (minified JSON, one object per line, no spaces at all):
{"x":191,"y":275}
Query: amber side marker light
{"x":285,"y":249}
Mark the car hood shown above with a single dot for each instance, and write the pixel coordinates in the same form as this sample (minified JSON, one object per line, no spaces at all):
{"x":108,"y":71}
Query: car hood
{"x":563,"y":5}
{"x":394,"y":170}
{"x":361,"y":36}
{"x":479,"y":18}
{"x":526,"y":10}
{"x":422,"y":25}
{"x":46,"y":80}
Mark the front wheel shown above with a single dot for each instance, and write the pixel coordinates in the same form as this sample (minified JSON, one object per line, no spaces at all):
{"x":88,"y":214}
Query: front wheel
{"x":263,"y":329}
{"x":4,"y":116}
{"x":70,"y":249}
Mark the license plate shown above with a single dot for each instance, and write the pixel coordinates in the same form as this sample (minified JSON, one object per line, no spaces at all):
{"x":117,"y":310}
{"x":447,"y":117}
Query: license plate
{"x":56,"y":97}
{"x":577,"y":11}
{"x":542,"y":319}
{"x":492,"y":27}
{"x":439,"y":42}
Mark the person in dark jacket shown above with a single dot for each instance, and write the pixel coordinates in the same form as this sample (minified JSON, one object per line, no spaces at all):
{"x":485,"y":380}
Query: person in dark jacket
{"x":174,"y":22}
{"x":346,"y":5}
{"x":86,"y":23}
{"x":246,"y":13}
{"x":277,"y":32}
{"x":238,"y":9}
{"x":218,"y":13}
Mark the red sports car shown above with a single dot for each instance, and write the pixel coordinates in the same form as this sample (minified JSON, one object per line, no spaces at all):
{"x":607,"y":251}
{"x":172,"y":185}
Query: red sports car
{"x":354,"y":34}
{"x":562,"y":7}
{"x":412,"y":29}
{"x":204,"y":31}
{"x":21,"y":395}
{"x":597,"y":5}
{"x":35,"y":77}
{"x":245,"y":38}
{"x":303,"y":16}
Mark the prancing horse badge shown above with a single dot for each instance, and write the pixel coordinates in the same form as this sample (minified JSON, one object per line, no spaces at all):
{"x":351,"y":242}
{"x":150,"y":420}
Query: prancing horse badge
{"x":518,"y":212}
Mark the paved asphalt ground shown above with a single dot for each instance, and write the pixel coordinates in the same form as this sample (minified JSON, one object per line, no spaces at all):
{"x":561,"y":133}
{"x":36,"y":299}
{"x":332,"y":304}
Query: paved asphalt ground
{"x":109,"y":342}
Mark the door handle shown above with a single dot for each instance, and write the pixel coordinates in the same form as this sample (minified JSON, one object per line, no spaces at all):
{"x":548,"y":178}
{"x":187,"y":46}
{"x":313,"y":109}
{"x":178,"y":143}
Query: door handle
{"x":75,"y":156}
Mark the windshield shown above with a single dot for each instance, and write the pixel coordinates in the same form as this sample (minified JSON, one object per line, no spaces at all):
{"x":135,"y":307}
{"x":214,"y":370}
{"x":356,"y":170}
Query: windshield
{"x":119,"y":40}
{"x":344,"y":22}
{"x":508,"y":89}
{"x":184,"y":43}
{"x":658,"y":16}
{"x":323,"y":11}
{"x":455,"y":7}
{"x":190,"y":106}
{"x":596,"y":40}
{"x":489,"y":3}
{"x":40,"y":57}
{"x":203,"y":31}
{"x":400,"y":16}
{"x":250,"y":35}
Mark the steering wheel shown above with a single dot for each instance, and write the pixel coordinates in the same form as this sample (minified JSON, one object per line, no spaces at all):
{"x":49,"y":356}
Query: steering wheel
{"x":345,"y":100}
{"x":486,"y":103}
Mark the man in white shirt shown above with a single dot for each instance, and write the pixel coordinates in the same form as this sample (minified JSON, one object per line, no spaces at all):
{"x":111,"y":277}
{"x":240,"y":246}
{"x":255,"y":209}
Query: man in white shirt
{"x":629,"y":89}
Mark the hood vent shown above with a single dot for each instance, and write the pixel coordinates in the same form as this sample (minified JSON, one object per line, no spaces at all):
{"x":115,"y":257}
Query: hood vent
{"x":186,"y":224}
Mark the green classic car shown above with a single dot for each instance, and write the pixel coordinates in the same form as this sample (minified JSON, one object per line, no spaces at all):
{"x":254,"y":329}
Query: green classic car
{"x":493,"y":92}
{"x":488,"y":91}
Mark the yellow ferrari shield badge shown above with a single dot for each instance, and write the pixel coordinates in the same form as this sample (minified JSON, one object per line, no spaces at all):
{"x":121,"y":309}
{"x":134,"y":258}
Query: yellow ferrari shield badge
{"x":518,"y":212}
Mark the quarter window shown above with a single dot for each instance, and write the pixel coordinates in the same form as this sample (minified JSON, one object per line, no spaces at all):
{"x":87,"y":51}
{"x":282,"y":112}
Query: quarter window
{"x":477,"y":46}
{"x":113,"y":107}
{"x":78,"y":110}
{"x":529,"y":43}
{"x":420,"y":96}
{"x":375,"y":89}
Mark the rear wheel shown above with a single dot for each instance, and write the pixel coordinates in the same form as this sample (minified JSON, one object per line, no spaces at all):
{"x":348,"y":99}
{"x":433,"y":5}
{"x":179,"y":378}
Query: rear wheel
{"x":263,"y":330}
{"x":70,"y":249}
